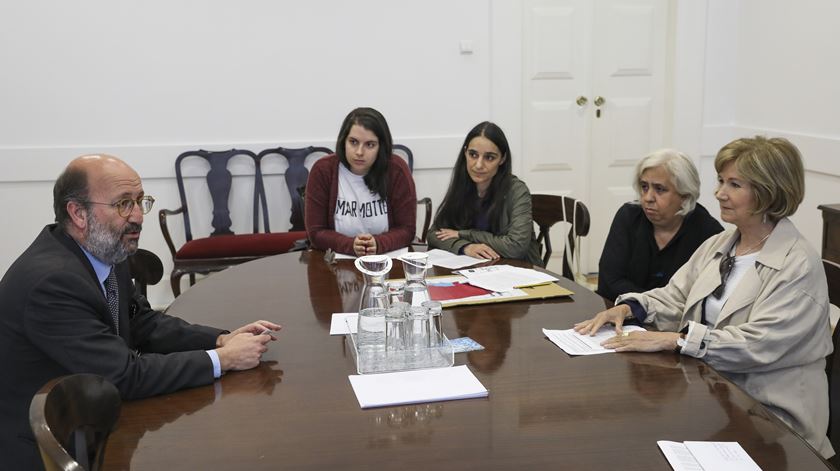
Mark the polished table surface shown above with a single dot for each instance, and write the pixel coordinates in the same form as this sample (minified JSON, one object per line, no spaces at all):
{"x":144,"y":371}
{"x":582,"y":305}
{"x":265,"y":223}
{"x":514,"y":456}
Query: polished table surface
{"x":546,"y":410}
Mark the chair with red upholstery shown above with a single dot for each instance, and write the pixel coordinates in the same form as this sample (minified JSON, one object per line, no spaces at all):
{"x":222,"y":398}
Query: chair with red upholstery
{"x":222,"y":248}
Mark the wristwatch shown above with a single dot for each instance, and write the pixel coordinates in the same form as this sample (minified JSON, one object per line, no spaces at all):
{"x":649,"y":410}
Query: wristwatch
{"x":680,"y":343}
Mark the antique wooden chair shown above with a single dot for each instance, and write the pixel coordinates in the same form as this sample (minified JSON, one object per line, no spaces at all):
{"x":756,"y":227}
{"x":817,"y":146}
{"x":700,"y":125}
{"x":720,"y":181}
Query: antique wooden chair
{"x":71,"y":418}
{"x":548,"y":210}
{"x":295,"y":176}
{"x":222,"y":247}
{"x":146,"y":269}
{"x":406,"y":153}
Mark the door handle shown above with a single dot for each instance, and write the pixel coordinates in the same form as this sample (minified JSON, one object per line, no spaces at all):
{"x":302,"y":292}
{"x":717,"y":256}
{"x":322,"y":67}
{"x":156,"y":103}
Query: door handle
{"x":581,"y":100}
{"x":599,"y":100}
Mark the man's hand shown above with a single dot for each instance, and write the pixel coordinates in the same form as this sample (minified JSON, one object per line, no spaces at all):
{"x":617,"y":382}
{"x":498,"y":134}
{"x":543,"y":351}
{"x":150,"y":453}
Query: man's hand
{"x":242,"y":348}
{"x":242,"y":351}
{"x":254,"y":328}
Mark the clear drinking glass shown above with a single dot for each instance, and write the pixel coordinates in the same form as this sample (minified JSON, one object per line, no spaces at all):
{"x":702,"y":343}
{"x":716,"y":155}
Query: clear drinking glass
{"x":417,"y":328}
{"x":435,"y":309}
{"x":396,"y":291}
{"x":370,"y":336}
{"x":415,"y":265}
{"x":396,"y":318}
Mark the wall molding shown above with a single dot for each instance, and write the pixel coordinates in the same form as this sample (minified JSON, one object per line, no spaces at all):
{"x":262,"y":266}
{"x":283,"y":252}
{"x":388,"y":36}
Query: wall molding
{"x":621,"y":163}
{"x":156,"y":161}
{"x":561,"y":167}
{"x":819,"y":152}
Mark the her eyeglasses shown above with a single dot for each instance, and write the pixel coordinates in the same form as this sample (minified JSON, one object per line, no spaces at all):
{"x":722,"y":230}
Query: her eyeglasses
{"x":725,"y":268}
{"x":126,"y":206}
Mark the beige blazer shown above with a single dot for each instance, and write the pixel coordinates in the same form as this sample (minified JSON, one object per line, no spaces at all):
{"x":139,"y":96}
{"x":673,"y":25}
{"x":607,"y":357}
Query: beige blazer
{"x":772,"y":335}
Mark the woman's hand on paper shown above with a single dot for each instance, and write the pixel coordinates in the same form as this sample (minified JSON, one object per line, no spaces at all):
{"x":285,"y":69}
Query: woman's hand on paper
{"x":614,"y":315}
{"x":642,"y":341}
{"x":481,"y":251}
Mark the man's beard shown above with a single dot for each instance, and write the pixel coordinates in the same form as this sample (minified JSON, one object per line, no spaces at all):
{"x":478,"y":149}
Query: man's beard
{"x":106,"y":244}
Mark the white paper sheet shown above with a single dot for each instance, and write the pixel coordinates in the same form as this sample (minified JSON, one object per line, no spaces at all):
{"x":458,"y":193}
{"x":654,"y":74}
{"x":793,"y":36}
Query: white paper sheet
{"x":415,"y":387}
{"x":442,"y":258}
{"x":574,"y":343}
{"x":340,"y":320}
{"x":707,"y":456}
{"x":392,"y":254}
{"x":678,"y":456}
{"x":502,"y":278}
{"x":722,"y":455}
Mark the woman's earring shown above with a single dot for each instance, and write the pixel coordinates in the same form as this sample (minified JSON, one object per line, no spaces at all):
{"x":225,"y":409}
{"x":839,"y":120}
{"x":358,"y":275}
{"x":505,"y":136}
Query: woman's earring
{"x":764,"y":219}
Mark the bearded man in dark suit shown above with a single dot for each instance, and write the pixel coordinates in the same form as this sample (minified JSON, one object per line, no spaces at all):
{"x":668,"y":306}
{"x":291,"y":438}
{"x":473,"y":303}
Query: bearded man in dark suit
{"x":68,"y":305}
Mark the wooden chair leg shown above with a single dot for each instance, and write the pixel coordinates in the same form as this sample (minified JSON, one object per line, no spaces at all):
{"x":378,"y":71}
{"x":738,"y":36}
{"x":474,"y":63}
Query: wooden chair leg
{"x":175,"y":282}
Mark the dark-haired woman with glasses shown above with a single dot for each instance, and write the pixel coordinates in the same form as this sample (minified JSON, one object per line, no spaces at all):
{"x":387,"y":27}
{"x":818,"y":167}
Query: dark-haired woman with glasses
{"x":486,"y":212}
{"x":752,"y":302}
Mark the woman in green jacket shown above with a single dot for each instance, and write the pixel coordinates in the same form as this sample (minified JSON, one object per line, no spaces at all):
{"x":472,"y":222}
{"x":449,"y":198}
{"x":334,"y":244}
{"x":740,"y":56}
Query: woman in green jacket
{"x":486,"y":212}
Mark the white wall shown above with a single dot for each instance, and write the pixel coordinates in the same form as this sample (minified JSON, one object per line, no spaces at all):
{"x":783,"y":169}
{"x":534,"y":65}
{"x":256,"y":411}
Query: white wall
{"x":772,"y":68}
{"x":147,"y":80}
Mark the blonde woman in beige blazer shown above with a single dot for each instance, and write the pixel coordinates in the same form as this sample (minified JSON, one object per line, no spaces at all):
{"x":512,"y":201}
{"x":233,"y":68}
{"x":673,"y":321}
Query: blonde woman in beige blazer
{"x":752,"y":302}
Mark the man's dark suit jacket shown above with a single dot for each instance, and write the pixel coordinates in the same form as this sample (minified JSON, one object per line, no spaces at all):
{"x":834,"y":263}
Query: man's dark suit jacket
{"x":54,"y":321}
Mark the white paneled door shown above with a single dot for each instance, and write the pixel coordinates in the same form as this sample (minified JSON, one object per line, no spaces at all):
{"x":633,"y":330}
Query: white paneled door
{"x":594,"y":91}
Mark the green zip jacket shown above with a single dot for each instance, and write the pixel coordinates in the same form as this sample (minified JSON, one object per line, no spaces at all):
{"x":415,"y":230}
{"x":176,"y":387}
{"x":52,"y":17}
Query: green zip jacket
{"x":516,"y":238}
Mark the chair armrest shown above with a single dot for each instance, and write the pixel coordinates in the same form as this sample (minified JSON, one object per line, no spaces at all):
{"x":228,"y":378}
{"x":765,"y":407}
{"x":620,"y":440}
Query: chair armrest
{"x":299,"y":245}
{"x":164,"y":227}
{"x":416,"y":246}
{"x":427,"y":220}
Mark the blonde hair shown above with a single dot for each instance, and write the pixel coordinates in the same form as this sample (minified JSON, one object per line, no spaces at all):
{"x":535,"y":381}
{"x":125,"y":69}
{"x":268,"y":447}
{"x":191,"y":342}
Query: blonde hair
{"x":773,"y":167}
{"x":683,"y":173}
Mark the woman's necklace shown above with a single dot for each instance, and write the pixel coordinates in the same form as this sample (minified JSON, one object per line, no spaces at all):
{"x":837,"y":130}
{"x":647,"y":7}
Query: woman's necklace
{"x":752,"y":249}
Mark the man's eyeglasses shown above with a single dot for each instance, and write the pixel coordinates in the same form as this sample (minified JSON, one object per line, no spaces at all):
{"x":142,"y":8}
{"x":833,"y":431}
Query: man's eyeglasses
{"x":726,"y":264}
{"x":126,"y":206}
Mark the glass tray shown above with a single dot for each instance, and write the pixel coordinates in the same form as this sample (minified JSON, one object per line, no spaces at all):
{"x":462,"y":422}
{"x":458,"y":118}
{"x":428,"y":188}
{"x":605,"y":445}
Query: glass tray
{"x":382,"y":361}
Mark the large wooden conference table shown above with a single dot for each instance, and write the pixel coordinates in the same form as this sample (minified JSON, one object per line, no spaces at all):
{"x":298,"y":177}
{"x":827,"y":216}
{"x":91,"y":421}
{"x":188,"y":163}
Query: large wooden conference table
{"x":545,"y":410}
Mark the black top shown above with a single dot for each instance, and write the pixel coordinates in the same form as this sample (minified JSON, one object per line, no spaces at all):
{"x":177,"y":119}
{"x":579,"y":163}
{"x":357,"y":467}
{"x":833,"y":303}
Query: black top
{"x":632,"y":262}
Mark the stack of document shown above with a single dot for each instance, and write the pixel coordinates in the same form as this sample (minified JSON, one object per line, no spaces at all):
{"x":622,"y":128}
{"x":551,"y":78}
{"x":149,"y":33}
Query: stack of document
{"x":418,"y":386}
{"x":707,"y":456}
{"x":503,"y":278}
{"x":574,"y":343}
{"x":442,"y":258}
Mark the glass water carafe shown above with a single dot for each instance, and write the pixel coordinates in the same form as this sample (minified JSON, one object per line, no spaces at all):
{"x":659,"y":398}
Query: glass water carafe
{"x":374,"y":268}
{"x":415,"y":265}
